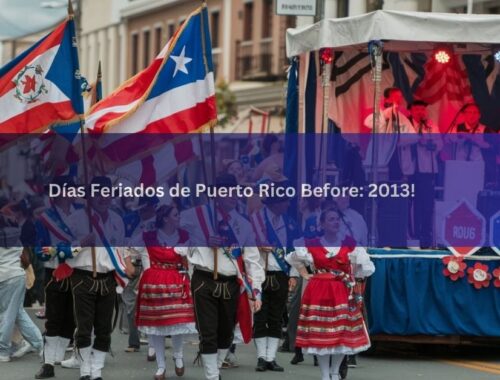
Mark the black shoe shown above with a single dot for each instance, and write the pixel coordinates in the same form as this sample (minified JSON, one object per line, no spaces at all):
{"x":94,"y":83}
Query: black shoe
{"x":45,"y":372}
{"x":343,"y":368}
{"x":285,"y":346}
{"x":298,"y":357}
{"x":85,"y":378}
{"x":273,"y":366}
{"x":261,"y":365}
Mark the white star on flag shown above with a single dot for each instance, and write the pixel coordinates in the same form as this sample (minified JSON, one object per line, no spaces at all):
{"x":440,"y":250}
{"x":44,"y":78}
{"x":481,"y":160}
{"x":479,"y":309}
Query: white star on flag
{"x":181,"y":61}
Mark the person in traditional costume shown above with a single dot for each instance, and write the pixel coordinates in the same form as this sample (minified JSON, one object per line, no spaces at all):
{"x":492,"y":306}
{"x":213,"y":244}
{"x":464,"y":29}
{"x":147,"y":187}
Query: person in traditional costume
{"x":276,"y":230}
{"x":164,"y":303}
{"x":331,"y":323}
{"x":53,"y":247}
{"x":227,"y":276}
{"x":94,"y":294}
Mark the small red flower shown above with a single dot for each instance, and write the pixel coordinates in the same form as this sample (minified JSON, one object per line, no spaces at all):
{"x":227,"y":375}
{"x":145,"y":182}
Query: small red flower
{"x":496,"y":277}
{"x":454,"y":267}
{"x":326,"y":55}
{"x":478,"y":276}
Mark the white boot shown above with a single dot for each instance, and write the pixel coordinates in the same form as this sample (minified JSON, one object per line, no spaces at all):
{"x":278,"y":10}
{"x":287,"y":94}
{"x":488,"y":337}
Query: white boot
{"x":62,"y":343}
{"x":221,"y":356}
{"x":85,"y":355}
{"x":335,"y":363}
{"x":272,"y":348}
{"x":97,"y":363}
{"x":73,"y":362}
{"x":261,"y":345}
{"x":50,"y":350}
{"x":324,"y":366}
{"x":210,"y":366}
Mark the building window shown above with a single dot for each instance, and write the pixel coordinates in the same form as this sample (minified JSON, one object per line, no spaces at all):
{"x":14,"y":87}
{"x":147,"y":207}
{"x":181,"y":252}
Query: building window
{"x":373,"y":5}
{"x":215,"y":23}
{"x":342,"y":8}
{"x":171,"y":30}
{"x":267,"y":18}
{"x":146,"y":48}
{"x":158,"y":41}
{"x":135,"y":53}
{"x":215,"y":62}
{"x":247,"y":21}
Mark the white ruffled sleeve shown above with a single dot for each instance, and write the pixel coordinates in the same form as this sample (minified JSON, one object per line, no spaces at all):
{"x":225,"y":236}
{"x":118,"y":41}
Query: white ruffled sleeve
{"x":300,"y":257}
{"x":361,"y":263}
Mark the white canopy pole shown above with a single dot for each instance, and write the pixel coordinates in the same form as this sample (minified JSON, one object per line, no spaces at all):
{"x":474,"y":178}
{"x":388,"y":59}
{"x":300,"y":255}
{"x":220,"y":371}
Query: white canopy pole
{"x":470,"y":6}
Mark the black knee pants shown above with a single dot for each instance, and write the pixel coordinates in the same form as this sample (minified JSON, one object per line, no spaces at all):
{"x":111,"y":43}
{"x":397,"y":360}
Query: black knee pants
{"x":267,"y":322}
{"x":215,"y":306}
{"x":95,"y":300}
{"x":58,"y":307}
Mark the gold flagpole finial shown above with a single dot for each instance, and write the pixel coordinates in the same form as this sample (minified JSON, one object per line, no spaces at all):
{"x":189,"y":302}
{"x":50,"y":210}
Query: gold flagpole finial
{"x":71,"y":12}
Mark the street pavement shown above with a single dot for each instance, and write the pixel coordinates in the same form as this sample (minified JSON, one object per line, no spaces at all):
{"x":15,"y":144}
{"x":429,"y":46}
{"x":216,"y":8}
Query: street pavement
{"x":388,"y":363}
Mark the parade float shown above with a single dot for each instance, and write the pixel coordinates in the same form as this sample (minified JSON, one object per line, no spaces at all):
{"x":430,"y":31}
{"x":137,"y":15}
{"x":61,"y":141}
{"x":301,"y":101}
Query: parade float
{"x":450,"y":292}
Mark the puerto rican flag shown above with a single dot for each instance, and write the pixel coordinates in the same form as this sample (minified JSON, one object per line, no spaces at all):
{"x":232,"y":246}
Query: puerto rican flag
{"x":174,"y":95}
{"x":41,"y":87}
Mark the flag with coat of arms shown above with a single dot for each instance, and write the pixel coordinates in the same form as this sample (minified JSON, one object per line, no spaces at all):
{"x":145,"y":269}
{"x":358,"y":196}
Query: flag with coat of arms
{"x":41,"y":88}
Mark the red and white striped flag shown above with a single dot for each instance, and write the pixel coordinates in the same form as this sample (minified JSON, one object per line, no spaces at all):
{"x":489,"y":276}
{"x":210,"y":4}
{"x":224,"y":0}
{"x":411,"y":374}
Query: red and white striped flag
{"x":446,"y":88}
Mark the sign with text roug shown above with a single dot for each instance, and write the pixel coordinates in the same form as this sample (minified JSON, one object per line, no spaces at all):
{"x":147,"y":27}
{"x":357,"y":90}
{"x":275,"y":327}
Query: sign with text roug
{"x":296,"y":7}
{"x":464,"y":229}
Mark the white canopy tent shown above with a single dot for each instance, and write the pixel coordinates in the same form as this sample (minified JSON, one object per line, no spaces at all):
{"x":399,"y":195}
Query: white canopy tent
{"x":350,"y":91}
{"x":469,"y":33}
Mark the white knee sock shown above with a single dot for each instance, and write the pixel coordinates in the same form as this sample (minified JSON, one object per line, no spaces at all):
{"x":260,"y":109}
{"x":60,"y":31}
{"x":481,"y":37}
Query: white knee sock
{"x":158,"y":342}
{"x":324,"y":366}
{"x":177,"y":349}
{"x":335,"y":366}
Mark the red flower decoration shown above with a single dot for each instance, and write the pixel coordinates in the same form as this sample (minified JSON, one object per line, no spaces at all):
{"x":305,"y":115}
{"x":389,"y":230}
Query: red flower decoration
{"x":326,"y":55}
{"x":478,"y":276}
{"x":455,"y":267}
{"x":496,"y":276}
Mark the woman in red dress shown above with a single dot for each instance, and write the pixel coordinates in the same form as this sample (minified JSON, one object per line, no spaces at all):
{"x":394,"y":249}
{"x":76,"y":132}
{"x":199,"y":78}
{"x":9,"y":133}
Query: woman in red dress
{"x":331,"y":323}
{"x":164,"y":304}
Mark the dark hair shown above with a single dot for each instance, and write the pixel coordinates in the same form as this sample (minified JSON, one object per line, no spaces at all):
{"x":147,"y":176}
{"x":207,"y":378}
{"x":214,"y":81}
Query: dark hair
{"x":25,"y":207}
{"x":163,"y":212}
{"x":322,"y":216}
{"x":226,"y":180}
{"x":268,"y":141}
{"x":469,"y":105}
{"x":389,"y":90}
{"x":327,"y":203}
{"x":418,"y":103}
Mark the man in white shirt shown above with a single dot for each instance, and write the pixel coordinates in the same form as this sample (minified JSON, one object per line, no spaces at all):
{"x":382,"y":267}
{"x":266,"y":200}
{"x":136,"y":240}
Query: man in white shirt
{"x":425,"y":155}
{"x":276,"y":230}
{"x":54,"y":238}
{"x":216,"y":287}
{"x":353,"y":223}
{"x":468,"y":137}
{"x":95,"y":296}
{"x":394,"y":150}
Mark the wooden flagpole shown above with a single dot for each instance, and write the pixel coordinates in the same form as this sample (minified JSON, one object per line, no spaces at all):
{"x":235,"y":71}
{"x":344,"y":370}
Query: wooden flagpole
{"x":71,"y":15}
{"x":212,"y":140}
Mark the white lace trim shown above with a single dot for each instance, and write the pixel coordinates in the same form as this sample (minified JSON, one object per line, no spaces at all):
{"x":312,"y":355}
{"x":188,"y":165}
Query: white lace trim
{"x":179,"y":329}
{"x":339,"y":350}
